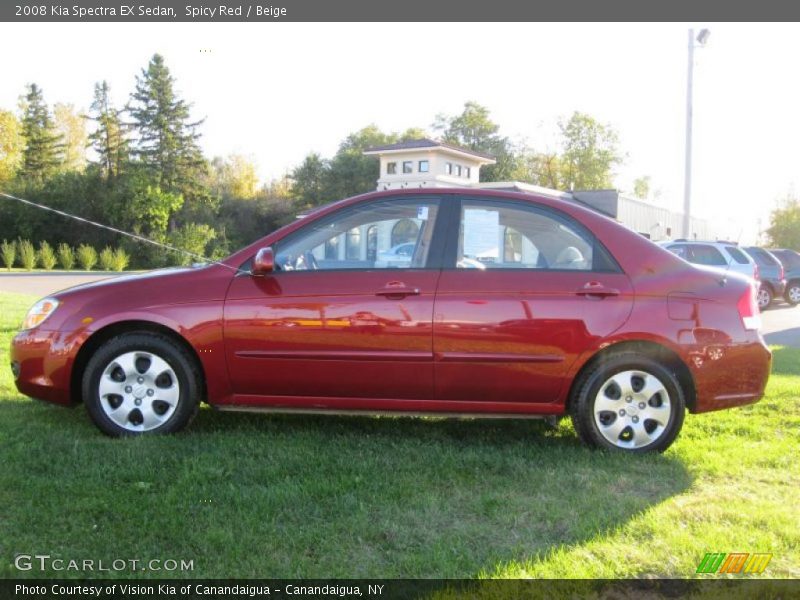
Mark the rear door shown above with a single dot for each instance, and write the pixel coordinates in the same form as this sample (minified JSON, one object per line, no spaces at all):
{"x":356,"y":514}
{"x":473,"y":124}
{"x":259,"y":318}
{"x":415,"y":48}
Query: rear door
{"x":526,"y":291}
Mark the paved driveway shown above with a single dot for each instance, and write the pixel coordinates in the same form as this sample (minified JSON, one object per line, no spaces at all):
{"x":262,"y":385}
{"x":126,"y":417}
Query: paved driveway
{"x":781,"y":322}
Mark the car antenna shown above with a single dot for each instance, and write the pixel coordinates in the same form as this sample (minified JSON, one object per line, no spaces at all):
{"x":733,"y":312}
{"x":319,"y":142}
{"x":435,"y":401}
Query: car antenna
{"x":138,"y":238}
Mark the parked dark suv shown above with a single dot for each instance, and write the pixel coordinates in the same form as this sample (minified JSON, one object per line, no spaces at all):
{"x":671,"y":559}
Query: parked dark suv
{"x":771,"y":271}
{"x":790,"y":259}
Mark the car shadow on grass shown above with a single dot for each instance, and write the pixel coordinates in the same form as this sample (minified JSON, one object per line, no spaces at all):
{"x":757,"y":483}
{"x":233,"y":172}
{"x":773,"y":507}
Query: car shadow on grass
{"x":254,"y":495}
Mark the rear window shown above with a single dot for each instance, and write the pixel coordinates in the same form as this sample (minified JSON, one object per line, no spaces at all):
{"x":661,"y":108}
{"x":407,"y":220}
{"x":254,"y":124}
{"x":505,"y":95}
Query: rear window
{"x":737,"y":255}
{"x":707,"y":255}
{"x":789,"y":259}
{"x":762,"y":257}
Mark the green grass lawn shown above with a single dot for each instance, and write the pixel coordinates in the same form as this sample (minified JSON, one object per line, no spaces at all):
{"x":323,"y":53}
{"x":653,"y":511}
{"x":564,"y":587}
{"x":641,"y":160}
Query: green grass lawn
{"x":290,"y":496}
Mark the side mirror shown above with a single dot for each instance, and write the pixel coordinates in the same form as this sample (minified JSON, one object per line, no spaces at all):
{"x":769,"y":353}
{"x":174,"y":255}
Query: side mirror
{"x":264,"y":262}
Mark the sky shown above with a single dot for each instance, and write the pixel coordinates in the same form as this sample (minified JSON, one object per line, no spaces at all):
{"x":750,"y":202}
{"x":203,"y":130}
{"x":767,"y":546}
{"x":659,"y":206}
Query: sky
{"x":277,"y":91}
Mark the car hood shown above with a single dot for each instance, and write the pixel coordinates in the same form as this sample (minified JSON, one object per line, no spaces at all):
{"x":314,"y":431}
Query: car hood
{"x":125,"y":279}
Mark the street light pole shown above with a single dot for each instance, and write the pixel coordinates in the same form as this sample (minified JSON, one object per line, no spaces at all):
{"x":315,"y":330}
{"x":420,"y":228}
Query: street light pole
{"x":702,"y":37}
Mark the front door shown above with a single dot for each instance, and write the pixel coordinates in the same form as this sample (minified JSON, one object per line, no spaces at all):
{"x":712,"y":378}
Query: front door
{"x":530,"y":290}
{"x":333,"y":320}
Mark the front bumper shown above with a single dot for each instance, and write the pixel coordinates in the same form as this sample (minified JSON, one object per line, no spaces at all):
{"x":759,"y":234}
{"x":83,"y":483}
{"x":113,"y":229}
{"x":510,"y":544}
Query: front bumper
{"x":41,"y":364}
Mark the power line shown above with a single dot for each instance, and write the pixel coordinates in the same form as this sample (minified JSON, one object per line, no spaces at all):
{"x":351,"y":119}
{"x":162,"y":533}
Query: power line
{"x":134,"y":236}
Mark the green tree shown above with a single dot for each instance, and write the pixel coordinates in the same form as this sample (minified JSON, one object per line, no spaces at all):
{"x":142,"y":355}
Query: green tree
{"x":108,"y":138}
{"x":590,"y":153}
{"x":87,"y":257}
{"x":166,"y":137}
{"x":47,"y":257}
{"x":43,"y":145}
{"x":66,"y":256}
{"x":8,"y":252}
{"x":474,"y":129}
{"x":234,"y":177}
{"x":71,"y":126}
{"x":194,"y":238}
{"x":641,"y":187}
{"x":12,"y":145}
{"x":784,"y":229}
{"x":309,"y":180}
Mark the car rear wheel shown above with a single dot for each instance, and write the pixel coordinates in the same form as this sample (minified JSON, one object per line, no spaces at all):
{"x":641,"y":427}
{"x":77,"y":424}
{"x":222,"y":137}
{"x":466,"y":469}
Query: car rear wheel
{"x":792,"y":295}
{"x":628,"y":402}
{"x":141,"y":383}
{"x":764,"y":297}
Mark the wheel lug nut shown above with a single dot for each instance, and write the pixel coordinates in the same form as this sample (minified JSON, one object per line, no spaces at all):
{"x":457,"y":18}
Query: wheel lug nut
{"x":635,"y":419}
{"x":622,"y":412}
{"x":150,"y":392}
{"x":642,"y":405}
{"x":128,"y":389}
{"x":629,"y":399}
{"x":140,"y":379}
{"x":138,"y":401}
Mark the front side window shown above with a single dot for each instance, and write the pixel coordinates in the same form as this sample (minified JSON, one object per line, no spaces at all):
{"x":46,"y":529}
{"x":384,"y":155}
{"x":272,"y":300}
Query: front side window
{"x":521,"y":237}
{"x":408,"y":166}
{"x":424,"y":166}
{"x":393,"y":233}
{"x":391,"y":168}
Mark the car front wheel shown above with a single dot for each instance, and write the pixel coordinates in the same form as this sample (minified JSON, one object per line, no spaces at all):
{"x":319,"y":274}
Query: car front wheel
{"x":628,"y":402}
{"x":141,"y":383}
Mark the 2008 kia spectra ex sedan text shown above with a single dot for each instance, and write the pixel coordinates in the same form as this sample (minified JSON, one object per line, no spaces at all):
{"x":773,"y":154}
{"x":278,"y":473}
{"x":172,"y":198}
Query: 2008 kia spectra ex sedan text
{"x":510,"y":304}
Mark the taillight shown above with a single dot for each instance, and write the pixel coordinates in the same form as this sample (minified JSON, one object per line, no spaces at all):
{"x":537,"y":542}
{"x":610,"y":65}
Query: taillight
{"x":756,"y":272}
{"x":781,"y":273}
{"x":748,"y":308}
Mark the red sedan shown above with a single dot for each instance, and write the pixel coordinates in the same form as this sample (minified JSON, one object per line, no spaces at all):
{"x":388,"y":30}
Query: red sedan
{"x":510,"y":304}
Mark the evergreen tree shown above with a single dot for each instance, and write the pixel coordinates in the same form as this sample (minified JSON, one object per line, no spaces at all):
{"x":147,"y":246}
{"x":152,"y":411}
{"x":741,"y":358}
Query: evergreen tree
{"x":43,"y":145}
{"x":108,"y":139}
{"x":166,"y":138}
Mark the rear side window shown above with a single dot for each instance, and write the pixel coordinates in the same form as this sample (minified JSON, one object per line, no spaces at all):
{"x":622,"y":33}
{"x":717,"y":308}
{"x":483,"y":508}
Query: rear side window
{"x":789,"y":259}
{"x":682,"y":251}
{"x":504,"y":235}
{"x":707,"y":255}
{"x":763,"y":258}
{"x":737,"y":255}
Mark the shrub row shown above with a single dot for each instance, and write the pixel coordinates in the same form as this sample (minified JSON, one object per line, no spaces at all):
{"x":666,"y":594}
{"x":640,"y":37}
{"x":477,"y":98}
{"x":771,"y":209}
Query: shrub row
{"x":27,"y":256}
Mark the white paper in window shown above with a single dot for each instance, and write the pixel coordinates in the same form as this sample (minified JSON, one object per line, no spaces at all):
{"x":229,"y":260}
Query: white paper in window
{"x":481,"y":233}
{"x":422,"y":213}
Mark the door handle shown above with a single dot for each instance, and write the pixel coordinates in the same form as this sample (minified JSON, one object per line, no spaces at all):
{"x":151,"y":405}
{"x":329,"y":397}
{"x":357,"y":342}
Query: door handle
{"x":596,"y":289}
{"x":397,"y":289}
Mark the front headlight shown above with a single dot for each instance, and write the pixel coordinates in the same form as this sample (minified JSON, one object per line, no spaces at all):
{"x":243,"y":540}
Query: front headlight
{"x":39,"y":312}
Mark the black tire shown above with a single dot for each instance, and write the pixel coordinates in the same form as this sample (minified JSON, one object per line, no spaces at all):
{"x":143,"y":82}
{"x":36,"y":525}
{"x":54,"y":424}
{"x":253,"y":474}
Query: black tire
{"x":589,"y":385}
{"x":792,"y":291}
{"x":765,"y":297}
{"x":181,"y":364}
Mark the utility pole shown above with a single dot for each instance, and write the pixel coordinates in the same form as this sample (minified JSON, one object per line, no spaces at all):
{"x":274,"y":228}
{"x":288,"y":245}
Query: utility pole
{"x":702,"y":38}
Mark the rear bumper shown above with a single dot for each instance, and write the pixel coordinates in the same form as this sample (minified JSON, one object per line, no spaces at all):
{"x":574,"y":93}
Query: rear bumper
{"x":778,"y":285}
{"x":731,"y":375}
{"x":41,"y":364}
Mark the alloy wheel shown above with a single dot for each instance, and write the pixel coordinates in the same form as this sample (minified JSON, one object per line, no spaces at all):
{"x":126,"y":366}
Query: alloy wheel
{"x":764,"y":299}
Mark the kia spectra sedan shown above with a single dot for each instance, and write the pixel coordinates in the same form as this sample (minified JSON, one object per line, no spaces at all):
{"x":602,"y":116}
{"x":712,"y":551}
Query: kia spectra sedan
{"x":509,"y":305}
